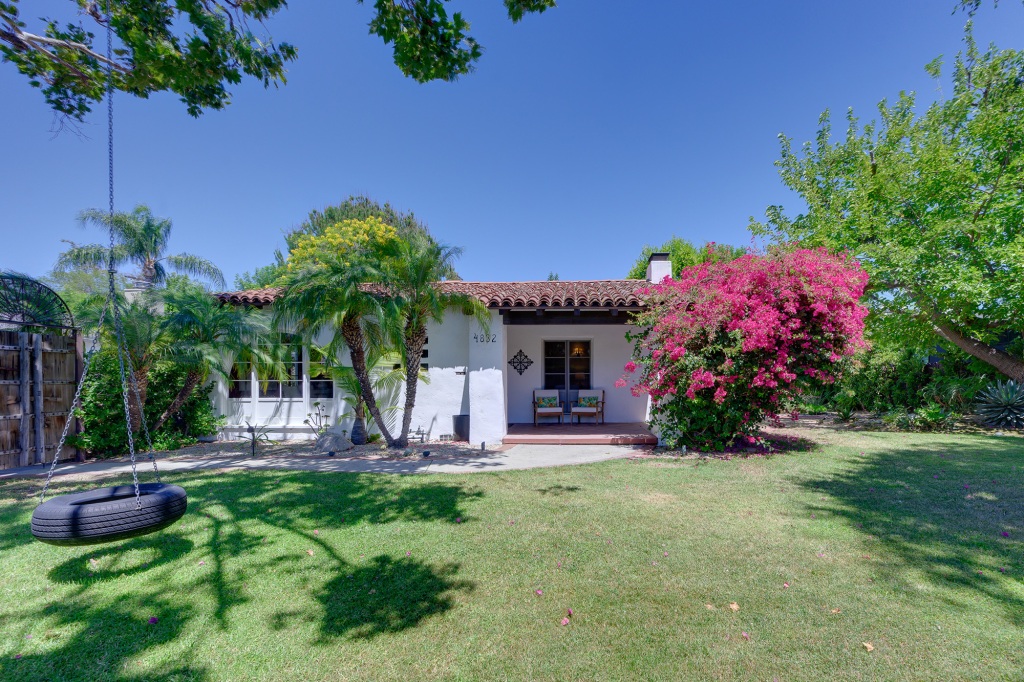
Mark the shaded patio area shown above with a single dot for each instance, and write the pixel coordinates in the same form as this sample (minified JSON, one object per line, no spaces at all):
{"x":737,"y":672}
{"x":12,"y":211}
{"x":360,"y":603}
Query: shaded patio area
{"x":580,"y":434}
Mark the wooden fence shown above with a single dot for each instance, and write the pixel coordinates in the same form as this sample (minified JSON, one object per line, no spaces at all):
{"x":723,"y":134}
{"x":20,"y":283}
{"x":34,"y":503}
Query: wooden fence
{"x":38,"y":375}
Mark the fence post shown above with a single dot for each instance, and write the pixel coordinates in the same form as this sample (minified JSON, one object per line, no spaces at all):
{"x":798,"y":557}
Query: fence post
{"x":37,"y":396}
{"x":25,"y":430}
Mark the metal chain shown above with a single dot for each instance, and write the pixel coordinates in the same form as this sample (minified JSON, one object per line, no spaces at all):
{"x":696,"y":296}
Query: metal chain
{"x":145,"y":427}
{"x":122,"y":351}
{"x":75,"y":401}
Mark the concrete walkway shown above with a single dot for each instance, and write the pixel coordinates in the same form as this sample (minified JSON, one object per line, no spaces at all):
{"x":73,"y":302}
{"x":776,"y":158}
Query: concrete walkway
{"x":515,"y":457}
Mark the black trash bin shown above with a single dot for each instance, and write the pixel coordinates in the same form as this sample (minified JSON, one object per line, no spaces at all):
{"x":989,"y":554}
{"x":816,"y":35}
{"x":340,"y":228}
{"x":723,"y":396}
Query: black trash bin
{"x":460,"y":426}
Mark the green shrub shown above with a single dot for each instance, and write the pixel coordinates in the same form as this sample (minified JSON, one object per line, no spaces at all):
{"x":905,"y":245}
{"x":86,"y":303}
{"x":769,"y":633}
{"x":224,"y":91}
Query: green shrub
{"x":102,"y":410}
{"x":1001,"y":405}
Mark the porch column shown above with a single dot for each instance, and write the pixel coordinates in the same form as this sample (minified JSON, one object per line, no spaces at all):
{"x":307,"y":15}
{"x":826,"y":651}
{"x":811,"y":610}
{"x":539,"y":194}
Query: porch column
{"x":488,"y":421}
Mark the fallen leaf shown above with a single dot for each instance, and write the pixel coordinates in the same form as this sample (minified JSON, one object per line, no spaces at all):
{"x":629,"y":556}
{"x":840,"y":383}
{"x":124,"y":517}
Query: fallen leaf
{"x":709,"y":607}
{"x":869,"y":646}
{"x":734,"y":606}
{"x":309,"y":552}
{"x":836,"y":611}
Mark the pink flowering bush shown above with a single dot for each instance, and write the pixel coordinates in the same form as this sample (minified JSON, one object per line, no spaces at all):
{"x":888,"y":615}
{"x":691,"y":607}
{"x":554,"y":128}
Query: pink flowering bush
{"x":726,"y":345}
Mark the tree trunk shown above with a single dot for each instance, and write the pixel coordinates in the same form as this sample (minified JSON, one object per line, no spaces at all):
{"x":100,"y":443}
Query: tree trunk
{"x":353,"y":335}
{"x":1004,"y":362}
{"x":415,"y":336}
{"x":136,"y":408}
{"x":192,"y":379}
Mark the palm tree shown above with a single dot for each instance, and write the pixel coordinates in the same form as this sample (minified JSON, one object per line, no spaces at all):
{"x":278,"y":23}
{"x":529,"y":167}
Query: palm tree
{"x":144,"y":341}
{"x":139,"y":238}
{"x":413,"y":267}
{"x":329,"y":294}
{"x":382,"y":379}
{"x":208,"y":335}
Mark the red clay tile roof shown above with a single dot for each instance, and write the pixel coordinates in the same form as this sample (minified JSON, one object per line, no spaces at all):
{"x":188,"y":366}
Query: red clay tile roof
{"x":601,"y":293}
{"x":253,"y":297}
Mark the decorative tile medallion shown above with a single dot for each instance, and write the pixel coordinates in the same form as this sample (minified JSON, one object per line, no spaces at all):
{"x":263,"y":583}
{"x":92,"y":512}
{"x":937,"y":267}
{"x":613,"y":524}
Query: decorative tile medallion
{"x":520,"y":362}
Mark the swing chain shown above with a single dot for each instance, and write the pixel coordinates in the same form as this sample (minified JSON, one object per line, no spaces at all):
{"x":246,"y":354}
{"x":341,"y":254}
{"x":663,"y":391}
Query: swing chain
{"x":122,"y":351}
{"x":145,"y":427}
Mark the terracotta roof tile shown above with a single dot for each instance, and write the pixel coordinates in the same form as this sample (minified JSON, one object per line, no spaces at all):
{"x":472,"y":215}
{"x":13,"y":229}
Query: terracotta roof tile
{"x":253,"y":297}
{"x":601,"y":293}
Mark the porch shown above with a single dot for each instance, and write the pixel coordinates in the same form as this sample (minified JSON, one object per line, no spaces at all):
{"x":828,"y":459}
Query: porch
{"x":580,"y":434}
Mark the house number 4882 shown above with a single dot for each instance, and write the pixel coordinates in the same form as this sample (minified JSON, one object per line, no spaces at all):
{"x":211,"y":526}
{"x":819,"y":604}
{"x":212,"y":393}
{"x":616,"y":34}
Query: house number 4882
{"x":485,"y":338}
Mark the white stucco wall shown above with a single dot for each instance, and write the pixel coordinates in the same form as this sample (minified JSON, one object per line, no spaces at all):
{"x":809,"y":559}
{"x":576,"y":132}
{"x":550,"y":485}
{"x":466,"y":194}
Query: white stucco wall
{"x":488,"y":420}
{"x":447,"y":392}
{"x":469,"y":374}
{"x":609,"y":351}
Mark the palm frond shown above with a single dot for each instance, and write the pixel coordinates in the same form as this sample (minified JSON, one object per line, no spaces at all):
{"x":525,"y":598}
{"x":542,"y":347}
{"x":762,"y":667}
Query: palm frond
{"x":196,"y":266}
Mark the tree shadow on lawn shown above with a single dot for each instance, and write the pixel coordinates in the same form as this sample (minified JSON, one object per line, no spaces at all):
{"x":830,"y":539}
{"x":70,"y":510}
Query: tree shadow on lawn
{"x":228,"y":524}
{"x":951,"y":508}
{"x":106,"y":636}
{"x":384,"y":596}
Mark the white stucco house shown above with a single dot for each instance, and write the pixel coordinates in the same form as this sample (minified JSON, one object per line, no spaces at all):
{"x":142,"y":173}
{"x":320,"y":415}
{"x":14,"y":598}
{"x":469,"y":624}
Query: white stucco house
{"x":556,"y":335}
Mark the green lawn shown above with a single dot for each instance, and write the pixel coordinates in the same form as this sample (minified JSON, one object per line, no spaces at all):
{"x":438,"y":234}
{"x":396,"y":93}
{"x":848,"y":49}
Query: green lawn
{"x":891,"y":539}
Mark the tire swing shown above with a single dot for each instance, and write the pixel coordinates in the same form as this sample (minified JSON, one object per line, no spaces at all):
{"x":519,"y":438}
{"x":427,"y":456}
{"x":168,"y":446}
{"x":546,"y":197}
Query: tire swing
{"x":119,"y":512}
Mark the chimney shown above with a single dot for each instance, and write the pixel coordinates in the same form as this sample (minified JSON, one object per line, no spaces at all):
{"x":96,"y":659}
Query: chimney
{"x":658,"y":267}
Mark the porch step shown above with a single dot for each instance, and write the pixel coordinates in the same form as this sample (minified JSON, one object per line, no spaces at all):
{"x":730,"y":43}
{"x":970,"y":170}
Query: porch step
{"x":579,"y":434}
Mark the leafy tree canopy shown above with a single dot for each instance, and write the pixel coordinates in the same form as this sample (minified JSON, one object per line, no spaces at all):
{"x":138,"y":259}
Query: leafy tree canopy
{"x":198,"y":49}
{"x":319,"y":220}
{"x":930,"y":203}
{"x":683,"y":254}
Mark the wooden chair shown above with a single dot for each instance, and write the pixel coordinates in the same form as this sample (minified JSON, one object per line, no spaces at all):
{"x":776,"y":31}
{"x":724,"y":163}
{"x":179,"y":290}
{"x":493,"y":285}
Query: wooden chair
{"x":546,"y":410}
{"x":596,"y":396}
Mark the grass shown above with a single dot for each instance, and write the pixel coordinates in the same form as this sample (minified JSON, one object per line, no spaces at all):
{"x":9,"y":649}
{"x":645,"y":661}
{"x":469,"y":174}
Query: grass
{"x":891,"y":539}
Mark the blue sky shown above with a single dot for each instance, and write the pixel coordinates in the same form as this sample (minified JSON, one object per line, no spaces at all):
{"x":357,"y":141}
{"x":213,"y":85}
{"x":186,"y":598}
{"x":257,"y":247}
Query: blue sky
{"x":584,"y":134}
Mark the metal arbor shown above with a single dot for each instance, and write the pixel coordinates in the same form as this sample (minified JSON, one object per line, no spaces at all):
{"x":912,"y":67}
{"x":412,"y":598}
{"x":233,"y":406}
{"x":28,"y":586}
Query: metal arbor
{"x":27,"y":303}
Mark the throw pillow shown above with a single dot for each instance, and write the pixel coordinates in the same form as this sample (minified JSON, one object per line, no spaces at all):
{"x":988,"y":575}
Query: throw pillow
{"x":588,"y":401}
{"x":551,"y":401}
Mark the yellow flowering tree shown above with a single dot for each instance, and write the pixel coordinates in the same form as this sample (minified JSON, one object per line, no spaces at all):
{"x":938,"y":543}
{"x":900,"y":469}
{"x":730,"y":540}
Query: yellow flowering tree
{"x":344,"y":242}
{"x":324,"y":289}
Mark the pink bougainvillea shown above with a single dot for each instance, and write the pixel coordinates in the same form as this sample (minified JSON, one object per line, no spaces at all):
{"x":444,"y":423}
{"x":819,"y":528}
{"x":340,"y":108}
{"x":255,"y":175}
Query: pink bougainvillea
{"x":723,"y":346}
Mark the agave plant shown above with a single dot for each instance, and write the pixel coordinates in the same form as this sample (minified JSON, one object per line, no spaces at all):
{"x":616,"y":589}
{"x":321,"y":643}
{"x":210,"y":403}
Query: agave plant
{"x":1001,"y":405}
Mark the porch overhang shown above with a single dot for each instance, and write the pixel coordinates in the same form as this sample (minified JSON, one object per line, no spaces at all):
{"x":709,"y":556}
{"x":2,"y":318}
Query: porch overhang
{"x":583,"y":315}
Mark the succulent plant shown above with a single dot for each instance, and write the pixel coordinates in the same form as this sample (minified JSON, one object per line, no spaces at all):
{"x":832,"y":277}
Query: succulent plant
{"x":1001,"y":405}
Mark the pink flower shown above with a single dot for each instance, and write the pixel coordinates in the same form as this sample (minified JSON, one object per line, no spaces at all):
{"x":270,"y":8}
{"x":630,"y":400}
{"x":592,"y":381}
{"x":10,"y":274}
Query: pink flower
{"x":619,"y":383}
{"x":570,"y":612}
{"x":784,"y":585}
{"x":630,"y":367}
{"x":458,"y":519}
{"x":565,"y":621}
{"x":539,"y":592}
{"x":153,"y":620}
{"x":746,"y":636}
{"x":1006,"y":534}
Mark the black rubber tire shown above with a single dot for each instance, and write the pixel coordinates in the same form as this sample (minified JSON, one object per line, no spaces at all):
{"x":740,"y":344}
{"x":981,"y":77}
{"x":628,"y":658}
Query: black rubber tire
{"x":108,"y":514}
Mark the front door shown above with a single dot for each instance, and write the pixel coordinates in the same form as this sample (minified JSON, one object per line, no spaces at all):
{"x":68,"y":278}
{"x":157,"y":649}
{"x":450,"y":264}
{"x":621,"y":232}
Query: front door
{"x":567,"y":369}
